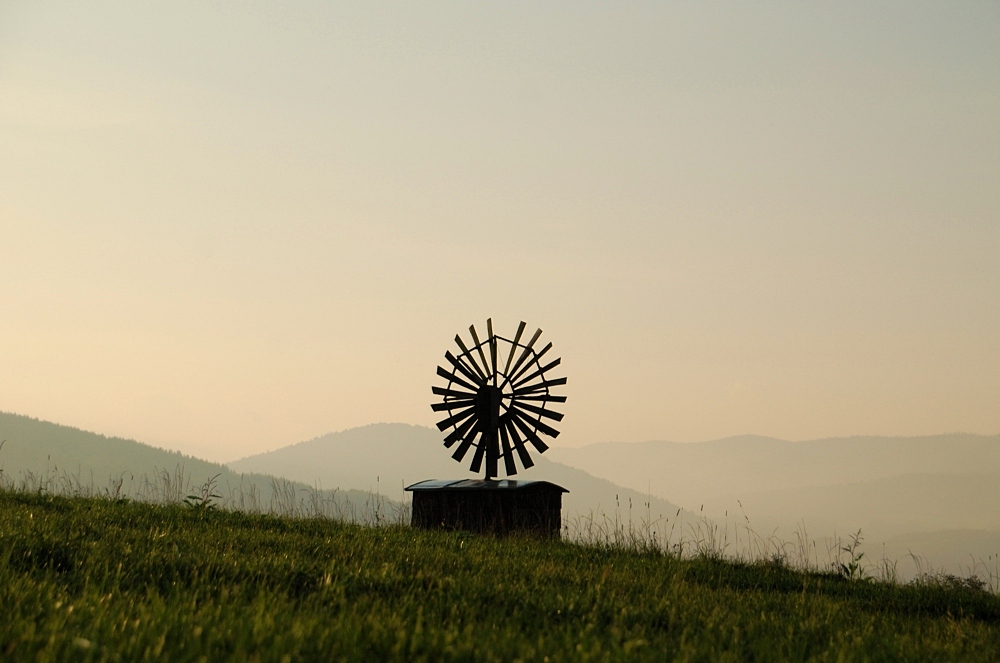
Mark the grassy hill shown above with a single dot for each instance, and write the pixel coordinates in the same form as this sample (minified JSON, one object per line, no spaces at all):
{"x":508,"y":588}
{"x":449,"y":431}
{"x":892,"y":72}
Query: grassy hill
{"x":388,"y":457}
{"x":94,"y":579}
{"x":40,"y":454}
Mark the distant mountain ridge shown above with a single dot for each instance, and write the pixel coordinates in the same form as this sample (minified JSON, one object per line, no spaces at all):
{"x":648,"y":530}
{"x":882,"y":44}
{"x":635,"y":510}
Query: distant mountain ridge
{"x":38,"y":446}
{"x":64,"y":456}
{"x":944,"y":506}
{"x":388,"y":457}
{"x":379,"y":458}
{"x":898,"y":484}
{"x":750,"y":464}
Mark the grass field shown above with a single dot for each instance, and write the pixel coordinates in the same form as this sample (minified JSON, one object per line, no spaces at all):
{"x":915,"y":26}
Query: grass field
{"x":96,"y":579}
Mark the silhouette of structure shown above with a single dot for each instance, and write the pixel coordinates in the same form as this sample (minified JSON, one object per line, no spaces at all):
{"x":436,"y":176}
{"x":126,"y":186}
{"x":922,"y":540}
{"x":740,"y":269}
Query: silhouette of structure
{"x":497,"y":507}
{"x":496,"y":405}
{"x":496,"y":395}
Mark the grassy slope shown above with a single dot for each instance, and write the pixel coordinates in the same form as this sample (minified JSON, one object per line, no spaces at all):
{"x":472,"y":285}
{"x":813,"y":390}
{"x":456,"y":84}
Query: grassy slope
{"x":100,"y":580}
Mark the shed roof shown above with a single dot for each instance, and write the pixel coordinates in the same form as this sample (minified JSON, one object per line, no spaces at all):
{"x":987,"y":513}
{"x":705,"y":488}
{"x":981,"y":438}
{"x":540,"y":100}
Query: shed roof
{"x":480,"y":484}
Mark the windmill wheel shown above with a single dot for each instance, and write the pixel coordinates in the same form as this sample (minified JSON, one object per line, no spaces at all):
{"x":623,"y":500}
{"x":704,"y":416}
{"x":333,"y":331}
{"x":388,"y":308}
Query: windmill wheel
{"x":496,"y":399}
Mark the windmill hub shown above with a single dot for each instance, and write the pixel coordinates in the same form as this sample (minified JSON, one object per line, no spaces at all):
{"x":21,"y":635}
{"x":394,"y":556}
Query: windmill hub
{"x":488,"y":401}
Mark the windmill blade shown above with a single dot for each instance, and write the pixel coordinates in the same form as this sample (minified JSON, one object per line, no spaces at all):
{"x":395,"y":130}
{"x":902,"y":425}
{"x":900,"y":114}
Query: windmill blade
{"x":451,"y":421}
{"x":451,"y":377}
{"x":441,"y":391}
{"x":493,"y":344}
{"x":479,"y":345}
{"x":507,"y":453}
{"x":452,"y":405}
{"x":530,"y":435}
{"x":463,"y":368}
{"x":545,"y":428}
{"x":540,"y":397}
{"x":459,"y":432}
{"x":522,"y":453}
{"x":527,"y":350}
{"x":535,"y":423}
{"x":542,"y":412}
{"x":513,"y":348}
{"x":528,"y":364}
{"x":463,"y":448}
{"x":477,"y":460}
{"x":545,"y":384}
{"x":539,"y":372}
{"x":472,"y":359}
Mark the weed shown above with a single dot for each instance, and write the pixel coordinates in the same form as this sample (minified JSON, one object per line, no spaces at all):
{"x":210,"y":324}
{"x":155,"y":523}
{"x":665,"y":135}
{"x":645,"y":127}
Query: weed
{"x":204,"y":498}
{"x":852,"y":568}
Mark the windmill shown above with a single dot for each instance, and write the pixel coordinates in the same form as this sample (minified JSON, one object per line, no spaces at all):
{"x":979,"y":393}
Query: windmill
{"x":496,"y":396}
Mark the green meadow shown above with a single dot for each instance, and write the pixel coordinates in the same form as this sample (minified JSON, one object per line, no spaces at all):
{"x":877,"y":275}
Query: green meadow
{"x":87,"y":579}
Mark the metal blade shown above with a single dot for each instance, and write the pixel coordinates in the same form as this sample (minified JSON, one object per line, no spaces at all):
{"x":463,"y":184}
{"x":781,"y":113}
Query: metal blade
{"x":541,"y":385}
{"x":522,"y":452}
{"x":463,"y":368}
{"x":540,"y":371}
{"x":459,"y":432}
{"x":526,"y":352}
{"x":441,"y":391}
{"x":542,"y":412}
{"x":542,"y":397}
{"x":508,"y":453}
{"x":472,"y":359}
{"x":529,"y":433}
{"x":479,"y":345}
{"x":452,"y":405}
{"x":527,"y":365}
{"x":451,"y":377}
{"x":493,"y":347}
{"x":535,"y":423}
{"x":463,"y":448}
{"x":451,"y":421}
{"x":477,"y":460}
{"x":517,"y":337}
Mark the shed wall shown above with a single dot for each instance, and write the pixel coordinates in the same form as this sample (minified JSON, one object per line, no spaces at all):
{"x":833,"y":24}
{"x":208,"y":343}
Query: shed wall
{"x":537,"y":510}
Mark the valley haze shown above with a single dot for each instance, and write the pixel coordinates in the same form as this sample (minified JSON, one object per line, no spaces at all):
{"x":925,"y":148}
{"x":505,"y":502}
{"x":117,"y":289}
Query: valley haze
{"x":941,"y":505}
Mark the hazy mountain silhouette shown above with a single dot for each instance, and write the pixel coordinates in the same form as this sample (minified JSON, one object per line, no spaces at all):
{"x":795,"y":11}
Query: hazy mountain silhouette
{"x":900,"y":504}
{"x":937,"y":497}
{"x":740,"y":466}
{"x":39,"y":446}
{"x":388,"y":457}
{"x":62,"y":455}
{"x":890,"y":485}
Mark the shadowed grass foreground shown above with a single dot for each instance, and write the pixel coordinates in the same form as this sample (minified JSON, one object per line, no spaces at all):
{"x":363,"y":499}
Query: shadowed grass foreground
{"x":92,"y":579}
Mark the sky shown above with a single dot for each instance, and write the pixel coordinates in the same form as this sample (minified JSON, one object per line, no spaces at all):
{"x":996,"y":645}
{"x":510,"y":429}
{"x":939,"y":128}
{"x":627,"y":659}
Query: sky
{"x":226,"y":227}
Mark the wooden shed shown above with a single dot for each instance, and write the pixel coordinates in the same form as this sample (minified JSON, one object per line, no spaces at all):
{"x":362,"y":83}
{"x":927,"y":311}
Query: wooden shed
{"x":495,"y":506}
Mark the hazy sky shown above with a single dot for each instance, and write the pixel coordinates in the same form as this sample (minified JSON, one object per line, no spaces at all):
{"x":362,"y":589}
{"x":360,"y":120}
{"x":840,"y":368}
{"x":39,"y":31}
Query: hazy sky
{"x":226,"y":227}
